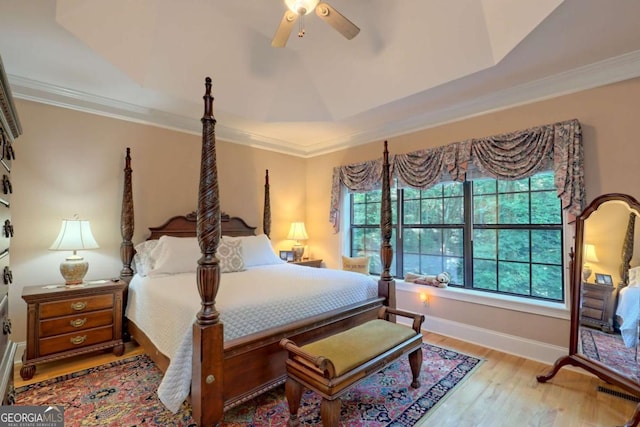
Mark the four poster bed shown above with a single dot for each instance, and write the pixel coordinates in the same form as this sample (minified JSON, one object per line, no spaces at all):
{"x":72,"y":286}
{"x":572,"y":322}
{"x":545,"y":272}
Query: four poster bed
{"x":228,"y":363}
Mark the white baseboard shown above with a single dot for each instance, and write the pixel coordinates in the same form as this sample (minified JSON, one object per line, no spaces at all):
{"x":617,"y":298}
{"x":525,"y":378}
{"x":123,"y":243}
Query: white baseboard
{"x":21,"y":347}
{"x":518,"y":346}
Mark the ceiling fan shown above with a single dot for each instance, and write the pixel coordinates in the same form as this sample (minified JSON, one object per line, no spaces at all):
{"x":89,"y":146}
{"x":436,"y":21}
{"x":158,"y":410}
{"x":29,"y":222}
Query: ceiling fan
{"x":299,"y":8}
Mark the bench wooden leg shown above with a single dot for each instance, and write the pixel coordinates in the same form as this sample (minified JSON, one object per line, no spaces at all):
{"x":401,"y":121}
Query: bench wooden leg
{"x":293,"y":392}
{"x":415,"y":361}
{"x":330,"y":412}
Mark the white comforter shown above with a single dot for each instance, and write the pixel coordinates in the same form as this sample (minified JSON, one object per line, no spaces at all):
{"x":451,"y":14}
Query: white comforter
{"x":629,"y":310}
{"x":164,"y":307}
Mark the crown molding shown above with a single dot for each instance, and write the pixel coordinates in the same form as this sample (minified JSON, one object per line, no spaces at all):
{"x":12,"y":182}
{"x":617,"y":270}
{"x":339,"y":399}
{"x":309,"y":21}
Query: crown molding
{"x":612,"y":70}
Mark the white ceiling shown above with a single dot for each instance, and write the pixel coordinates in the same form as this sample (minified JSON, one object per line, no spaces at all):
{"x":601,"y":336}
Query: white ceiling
{"x":415,"y":63}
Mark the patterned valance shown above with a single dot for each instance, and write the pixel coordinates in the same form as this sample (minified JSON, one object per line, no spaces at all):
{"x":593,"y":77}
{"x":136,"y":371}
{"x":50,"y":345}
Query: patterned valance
{"x":508,"y":156}
{"x":356,"y":177}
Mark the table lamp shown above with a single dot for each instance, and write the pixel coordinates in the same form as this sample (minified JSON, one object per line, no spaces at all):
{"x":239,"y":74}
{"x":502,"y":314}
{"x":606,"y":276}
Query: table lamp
{"x":589,"y":256}
{"x":297,"y":232}
{"x":75,"y":234}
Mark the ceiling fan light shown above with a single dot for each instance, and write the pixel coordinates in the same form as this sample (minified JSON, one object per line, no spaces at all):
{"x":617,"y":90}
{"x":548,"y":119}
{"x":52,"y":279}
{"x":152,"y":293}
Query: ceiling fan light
{"x":302,"y":6}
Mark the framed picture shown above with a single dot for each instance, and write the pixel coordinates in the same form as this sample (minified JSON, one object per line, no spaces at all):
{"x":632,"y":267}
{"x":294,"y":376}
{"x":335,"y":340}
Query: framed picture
{"x":286,"y":256}
{"x":604,"y":279}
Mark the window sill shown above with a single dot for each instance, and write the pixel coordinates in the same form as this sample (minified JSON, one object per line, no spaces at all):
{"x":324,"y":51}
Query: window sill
{"x":543,"y":308}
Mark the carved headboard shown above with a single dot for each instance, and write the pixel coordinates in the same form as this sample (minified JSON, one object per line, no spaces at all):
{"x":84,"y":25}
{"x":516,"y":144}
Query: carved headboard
{"x":185,"y":226}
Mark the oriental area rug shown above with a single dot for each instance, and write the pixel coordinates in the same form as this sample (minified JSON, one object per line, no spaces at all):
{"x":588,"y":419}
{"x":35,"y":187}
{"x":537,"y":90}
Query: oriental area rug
{"x":123,"y":393}
{"x":610,"y":350}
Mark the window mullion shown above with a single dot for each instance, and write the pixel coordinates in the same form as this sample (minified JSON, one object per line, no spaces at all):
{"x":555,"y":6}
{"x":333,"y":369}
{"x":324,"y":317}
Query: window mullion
{"x":399,"y":226}
{"x":468,"y":235}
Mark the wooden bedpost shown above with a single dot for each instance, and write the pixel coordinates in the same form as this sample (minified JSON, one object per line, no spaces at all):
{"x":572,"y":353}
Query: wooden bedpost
{"x":126,"y":223}
{"x":627,"y":250}
{"x":266,"y":213}
{"x":386,"y":284}
{"x":208,"y":342}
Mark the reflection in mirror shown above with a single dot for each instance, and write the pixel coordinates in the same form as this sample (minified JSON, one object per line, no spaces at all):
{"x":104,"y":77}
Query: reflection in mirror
{"x":605,"y":295}
{"x":610,"y":302}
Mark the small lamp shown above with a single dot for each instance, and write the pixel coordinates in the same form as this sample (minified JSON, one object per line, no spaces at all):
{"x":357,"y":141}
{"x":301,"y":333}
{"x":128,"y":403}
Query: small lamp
{"x":75,"y":234}
{"x":301,"y":7}
{"x":297,"y":232}
{"x":589,"y":256}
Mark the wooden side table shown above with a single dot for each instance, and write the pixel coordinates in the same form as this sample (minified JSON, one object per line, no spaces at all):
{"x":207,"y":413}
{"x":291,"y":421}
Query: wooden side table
{"x":597,"y":308}
{"x":65,"y":321}
{"x":317,"y":263}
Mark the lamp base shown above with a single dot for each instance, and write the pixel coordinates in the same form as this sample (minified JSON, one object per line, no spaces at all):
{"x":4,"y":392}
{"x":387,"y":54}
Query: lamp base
{"x":298,"y":251}
{"x":73,"y":269}
{"x":586,"y":272}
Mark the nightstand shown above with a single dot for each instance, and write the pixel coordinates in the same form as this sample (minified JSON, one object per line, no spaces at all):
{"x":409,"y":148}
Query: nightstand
{"x":65,"y":321}
{"x":597,"y":306}
{"x":317,"y":263}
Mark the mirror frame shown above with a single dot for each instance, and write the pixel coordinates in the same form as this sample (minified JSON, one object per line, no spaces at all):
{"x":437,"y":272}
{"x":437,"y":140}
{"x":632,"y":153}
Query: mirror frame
{"x":574,"y":358}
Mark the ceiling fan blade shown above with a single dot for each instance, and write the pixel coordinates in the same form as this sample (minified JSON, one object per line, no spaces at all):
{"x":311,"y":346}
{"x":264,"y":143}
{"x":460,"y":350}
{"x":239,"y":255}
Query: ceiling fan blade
{"x":284,"y":29}
{"x":334,"y":18}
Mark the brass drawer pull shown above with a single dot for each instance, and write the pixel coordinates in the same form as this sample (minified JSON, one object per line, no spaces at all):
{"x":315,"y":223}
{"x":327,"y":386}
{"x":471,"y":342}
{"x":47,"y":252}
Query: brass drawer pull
{"x":78,"y":322}
{"x":80,"y":305}
{"x":7,"y":275}
{"x":78,"y":340}
{"x":8,"y":229}
{"x":6,"y":185}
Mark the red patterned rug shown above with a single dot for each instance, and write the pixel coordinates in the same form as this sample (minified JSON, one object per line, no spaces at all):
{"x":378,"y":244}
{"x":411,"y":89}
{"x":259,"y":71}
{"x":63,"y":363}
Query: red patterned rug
{"x":610,"y":350}
{"x":124,"y":394}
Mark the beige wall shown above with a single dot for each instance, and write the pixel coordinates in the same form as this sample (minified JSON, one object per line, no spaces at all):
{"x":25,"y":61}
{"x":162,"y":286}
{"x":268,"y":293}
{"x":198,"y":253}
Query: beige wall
{"x":608,"y":115}
{"x":69,"y":162}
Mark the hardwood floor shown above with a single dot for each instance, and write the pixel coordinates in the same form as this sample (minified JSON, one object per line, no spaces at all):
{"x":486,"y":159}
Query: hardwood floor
{"x":45,"y":371}
{"x":503,"y":391}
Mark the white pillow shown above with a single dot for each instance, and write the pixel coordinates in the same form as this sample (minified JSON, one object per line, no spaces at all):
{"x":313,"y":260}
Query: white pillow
{"x":257,"y":250}
{"x":634,"y":277}
{"x":230,"y":255}
{"x":142,"y":261}
{"x":173,"y":255}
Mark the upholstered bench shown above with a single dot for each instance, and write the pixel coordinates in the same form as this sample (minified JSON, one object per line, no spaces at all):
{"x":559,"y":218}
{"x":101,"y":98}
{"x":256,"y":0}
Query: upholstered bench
{"x":331,"y":365}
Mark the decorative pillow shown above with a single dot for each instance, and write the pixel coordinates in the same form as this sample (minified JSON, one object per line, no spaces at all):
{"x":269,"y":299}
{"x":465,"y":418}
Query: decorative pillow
{"x":173,"y":255}
{"x":357,"y":264}
{"x":230,"y":255}
{"x":256,"y":250}
{"x":142,"y":261}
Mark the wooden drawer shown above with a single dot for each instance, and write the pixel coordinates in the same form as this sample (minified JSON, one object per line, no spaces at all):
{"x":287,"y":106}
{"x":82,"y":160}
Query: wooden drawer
{"x":6,"y":276}
{"x":4,"y":317}
{"x":76,"y":322}
{"x":76,"y":305}
{"x":597,"y":303}
{"x":75,"y":340}
{"x":592,"y":313}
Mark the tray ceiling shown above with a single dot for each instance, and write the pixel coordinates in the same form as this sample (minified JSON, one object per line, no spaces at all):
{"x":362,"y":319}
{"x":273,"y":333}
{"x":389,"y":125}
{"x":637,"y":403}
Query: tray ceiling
{"x":415,"y":63}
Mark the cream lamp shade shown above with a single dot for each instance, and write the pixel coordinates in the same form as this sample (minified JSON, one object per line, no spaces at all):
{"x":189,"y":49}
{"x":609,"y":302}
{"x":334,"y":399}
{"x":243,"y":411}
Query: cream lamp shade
{"x":589,"y":255}
{"x":297,"y":232}
{"x":75,"y":234}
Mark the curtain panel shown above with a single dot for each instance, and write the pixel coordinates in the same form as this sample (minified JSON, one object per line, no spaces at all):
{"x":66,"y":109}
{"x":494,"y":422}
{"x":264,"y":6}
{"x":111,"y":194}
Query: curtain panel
{"x":356,"y":177}
{"x":508,"y":156}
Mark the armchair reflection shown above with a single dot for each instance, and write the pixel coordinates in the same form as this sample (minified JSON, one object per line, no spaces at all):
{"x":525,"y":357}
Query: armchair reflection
{"x":610,"y":312}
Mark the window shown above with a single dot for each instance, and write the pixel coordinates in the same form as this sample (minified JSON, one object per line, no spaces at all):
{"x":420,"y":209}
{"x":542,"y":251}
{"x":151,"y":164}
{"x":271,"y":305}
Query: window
{"x":489,"y":235}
